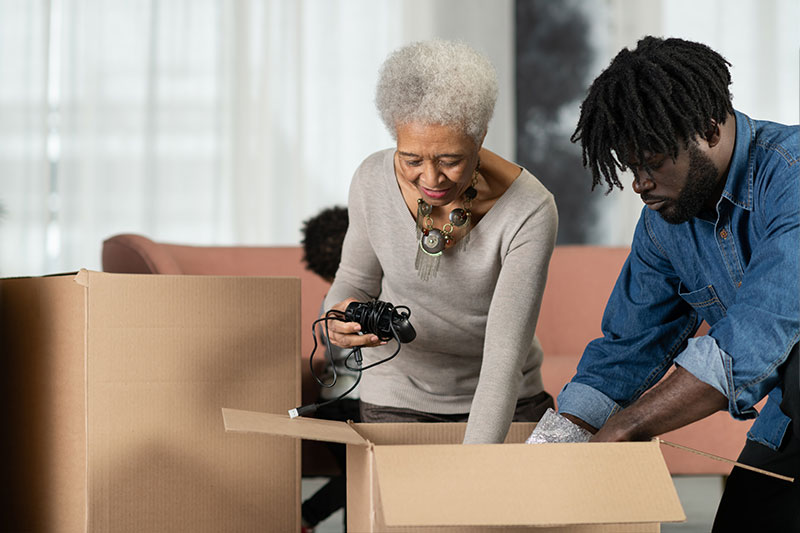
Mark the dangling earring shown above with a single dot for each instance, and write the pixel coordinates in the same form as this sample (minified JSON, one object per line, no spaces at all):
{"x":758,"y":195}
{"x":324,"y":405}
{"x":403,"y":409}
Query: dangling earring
{"x":463,"y":217}
{"x":432,"y":241}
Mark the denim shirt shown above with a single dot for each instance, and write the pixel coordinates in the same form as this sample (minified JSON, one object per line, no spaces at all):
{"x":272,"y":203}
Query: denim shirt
{"x":737,"y":269}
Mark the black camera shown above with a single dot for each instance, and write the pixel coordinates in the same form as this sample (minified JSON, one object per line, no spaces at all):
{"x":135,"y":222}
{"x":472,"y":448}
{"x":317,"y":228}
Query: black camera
{"x":382,"y":319}
{"x":376,"y":317}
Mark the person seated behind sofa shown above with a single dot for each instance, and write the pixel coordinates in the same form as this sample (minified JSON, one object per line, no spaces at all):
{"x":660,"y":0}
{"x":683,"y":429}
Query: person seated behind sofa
{"x":322,"y":249}
{"x":458,"y":234}
{"x":717,"y":241}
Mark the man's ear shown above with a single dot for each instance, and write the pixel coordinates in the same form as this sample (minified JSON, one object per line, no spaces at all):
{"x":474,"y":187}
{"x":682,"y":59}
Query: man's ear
{"x":713,"y":133}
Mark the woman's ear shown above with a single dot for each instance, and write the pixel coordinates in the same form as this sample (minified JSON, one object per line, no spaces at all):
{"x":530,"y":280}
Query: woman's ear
{"x":480,"y":147}
{"x":480,"y":144}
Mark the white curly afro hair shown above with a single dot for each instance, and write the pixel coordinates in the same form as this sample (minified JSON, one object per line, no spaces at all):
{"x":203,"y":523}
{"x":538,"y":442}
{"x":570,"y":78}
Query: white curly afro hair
{"x":437,"y":82}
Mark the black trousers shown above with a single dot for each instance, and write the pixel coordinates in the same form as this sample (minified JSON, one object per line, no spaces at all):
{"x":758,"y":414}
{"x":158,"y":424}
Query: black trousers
{"x":527,"y":410}
{"x":753,"y":501}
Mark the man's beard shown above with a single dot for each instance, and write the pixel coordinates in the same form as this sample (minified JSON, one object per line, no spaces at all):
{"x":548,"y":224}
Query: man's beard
{"x":701,"y":184}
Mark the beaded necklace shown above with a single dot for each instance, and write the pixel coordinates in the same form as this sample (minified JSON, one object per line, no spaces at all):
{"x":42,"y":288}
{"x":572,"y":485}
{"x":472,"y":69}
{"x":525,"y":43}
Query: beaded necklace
{"x":434,"y":241}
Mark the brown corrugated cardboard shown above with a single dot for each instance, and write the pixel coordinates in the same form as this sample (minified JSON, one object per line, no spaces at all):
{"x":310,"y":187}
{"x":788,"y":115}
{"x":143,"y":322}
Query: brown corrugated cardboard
{"x":113,"y":385}
{"x":417,"y":477}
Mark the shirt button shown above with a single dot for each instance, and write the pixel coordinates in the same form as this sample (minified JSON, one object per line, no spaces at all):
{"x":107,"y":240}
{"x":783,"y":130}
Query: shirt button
{"x":723,"y":234}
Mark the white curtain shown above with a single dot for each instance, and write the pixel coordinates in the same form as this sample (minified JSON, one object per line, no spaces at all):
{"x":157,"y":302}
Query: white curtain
{"x":232,"y":121}
{"x":200,"y":121}
{"x":24,"y":198}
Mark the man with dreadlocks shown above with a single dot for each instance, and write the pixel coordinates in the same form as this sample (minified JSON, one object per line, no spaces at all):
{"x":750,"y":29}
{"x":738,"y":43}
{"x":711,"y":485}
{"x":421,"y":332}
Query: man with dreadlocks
{"x":717,"y":241}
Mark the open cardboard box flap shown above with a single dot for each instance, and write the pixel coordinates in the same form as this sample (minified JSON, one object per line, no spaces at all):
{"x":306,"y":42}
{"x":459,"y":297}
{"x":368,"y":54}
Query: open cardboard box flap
{"x":299,"y":428}
{"x":500,"y":485}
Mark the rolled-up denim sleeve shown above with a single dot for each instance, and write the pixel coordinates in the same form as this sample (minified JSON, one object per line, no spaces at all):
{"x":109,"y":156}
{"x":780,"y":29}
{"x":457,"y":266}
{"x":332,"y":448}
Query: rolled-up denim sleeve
{"x":704,"y":359}
{"x":587,"y":403}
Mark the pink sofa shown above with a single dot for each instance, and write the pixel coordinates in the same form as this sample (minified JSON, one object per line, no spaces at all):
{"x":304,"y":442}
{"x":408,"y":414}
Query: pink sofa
{"x":579,"y":283}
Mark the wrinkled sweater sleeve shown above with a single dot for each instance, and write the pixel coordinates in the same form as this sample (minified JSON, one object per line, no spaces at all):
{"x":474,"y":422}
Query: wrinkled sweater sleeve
{"x":359,"y":274}
{"x":511,"y":324}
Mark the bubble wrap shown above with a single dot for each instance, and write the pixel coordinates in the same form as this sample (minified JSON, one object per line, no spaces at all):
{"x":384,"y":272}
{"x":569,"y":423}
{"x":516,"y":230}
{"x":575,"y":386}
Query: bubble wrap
{"x":555,"y":428}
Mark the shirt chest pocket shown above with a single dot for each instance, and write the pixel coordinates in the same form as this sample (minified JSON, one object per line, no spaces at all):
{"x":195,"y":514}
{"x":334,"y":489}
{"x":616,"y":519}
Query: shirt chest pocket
{"x":705,"y":301}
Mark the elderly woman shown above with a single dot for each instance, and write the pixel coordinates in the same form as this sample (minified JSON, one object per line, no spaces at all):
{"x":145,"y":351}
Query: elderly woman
{"x":460,"y":236}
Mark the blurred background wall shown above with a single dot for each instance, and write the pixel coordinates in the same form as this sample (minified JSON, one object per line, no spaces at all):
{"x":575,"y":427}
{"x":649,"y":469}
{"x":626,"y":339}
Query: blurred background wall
{"x":232,"y":121}
{"x":561,"y":46}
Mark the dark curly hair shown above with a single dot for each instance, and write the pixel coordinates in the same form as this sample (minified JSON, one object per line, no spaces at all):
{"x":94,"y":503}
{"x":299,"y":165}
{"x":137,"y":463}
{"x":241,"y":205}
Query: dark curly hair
{"x":660,"y":95}
{"x":323,"y":235}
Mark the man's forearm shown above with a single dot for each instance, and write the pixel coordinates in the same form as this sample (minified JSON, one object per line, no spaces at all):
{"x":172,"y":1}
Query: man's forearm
{"x":677,"y":401}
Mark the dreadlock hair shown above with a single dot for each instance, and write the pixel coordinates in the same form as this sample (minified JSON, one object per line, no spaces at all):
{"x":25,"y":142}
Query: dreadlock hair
{"x":323,"y":235}
{"x":663,"y":93}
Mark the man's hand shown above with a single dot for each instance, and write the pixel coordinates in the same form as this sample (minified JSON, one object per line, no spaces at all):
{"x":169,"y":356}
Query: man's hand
{"x":677,"y":401}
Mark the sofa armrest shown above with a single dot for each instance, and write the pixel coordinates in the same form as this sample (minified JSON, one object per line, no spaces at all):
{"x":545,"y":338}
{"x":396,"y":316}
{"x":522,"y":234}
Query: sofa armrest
{"x":136,"y":254}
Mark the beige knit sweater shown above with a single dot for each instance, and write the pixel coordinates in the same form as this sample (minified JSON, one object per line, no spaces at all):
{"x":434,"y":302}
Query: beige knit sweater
{"x":475,"y":349}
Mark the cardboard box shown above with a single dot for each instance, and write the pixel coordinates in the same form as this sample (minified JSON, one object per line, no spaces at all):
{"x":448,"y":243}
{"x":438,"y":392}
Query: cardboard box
{"x":418,"y":477}
{"x":111,"y":385}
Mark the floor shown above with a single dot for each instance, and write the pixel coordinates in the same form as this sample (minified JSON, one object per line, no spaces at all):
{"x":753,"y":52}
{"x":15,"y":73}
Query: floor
{"x":699,"y":496}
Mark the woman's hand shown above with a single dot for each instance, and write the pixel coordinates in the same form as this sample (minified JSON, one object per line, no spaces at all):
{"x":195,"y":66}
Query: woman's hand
{"x":348,"y":334}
